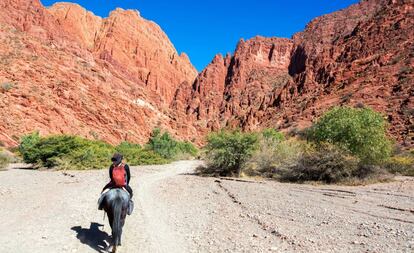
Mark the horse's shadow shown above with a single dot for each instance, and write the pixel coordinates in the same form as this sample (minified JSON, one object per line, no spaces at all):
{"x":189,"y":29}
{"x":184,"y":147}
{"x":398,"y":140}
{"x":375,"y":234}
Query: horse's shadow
{"x":93,"y":236}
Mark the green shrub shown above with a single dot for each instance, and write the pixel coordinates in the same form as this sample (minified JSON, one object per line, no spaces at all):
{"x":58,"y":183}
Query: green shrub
{"x":162,"y":144}
{"x":27,"y":147}
{"x":65,"y":151}
{"x":73,"y":152}
{"x":361,"y":131}
{"x":124,"y":146}
{"x":327,"y":163}
{"x":136,"y":155}
{"x":167,"y":147}
{"x":272,"y":134}
{"x":187,"y":148}
{"x":130,"y":151}
{"x":227,"y":151}
{"x":90,"y":155}
{"x":148,"y":157}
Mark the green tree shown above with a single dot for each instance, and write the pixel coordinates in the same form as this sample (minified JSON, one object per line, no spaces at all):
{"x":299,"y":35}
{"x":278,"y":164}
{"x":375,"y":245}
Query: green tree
{"x":361,"y":131}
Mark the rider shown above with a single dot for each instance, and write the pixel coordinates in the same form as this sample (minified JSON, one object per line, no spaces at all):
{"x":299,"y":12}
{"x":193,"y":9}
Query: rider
{"x":116,"y":161}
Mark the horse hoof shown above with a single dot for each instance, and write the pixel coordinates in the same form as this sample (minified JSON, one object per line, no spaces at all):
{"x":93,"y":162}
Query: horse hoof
{"x":111,"y":249}
{"x":115,"y":249}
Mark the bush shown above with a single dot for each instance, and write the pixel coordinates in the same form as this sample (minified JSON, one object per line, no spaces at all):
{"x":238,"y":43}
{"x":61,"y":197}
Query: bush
{"x":167,"y":147}
{"x":126,"y":146}
{"x":27,"y":147}
{"x":148,"y":157}
{"x":90,"y":155}
{"x":73,"y":152}
{"x":4,"y":160}
{"x":227,"y":151}
{"x":401,"y":164}
{"x":272,"y":135}
{"x":130,"y":151}
{"x":273,"y":158}
{"x":360,"y":131}
{"x":65,"y":151}
{"x":136,"y":155}
{"x":327,"y":163}
{"x":187,"y":148}
{"x":162,"y":144}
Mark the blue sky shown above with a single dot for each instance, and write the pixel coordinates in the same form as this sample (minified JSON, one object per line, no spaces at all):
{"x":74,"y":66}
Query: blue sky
{"x":204,"y":28}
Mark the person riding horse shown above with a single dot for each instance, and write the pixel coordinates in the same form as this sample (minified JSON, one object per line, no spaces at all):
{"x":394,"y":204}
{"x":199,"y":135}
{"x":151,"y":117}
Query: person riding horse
{"x":117,"y":163}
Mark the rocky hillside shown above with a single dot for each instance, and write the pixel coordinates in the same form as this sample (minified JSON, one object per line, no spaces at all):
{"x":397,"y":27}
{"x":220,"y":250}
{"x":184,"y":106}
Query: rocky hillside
{"x":65,"y":70}
{"x":362,"y":55}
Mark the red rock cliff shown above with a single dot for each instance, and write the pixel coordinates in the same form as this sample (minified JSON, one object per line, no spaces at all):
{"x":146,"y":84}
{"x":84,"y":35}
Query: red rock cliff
{"x":236,"y":89}
{"x":135,"y":45}
{"x":362,"y":55}
{"x":65,"y":70}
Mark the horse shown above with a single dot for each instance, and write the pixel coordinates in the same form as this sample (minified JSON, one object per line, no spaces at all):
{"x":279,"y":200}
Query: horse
{"x":115,"y":204}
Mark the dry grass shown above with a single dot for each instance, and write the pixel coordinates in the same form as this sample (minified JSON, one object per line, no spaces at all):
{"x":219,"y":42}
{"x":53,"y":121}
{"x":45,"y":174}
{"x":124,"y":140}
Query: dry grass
{"x":5,"y":159}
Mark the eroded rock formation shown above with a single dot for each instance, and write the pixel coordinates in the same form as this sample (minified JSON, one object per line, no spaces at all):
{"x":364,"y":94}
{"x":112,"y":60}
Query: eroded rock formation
{"x":65,"y":70}
{"x":362,"y":55}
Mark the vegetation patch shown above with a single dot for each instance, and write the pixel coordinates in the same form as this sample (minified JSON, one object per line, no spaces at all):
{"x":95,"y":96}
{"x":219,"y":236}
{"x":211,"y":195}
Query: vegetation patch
{"x":74,"y":152}
{"x":402,"y":164}
{"x":167,"y":147}
{"x":361,"y":131}
{"x":326,"y":163}
{"x":136,"y":155}
{"x":4,"y":160}
{"x":65,"y":152}
{"x":346,"y":146}
{"x":275,"y":158}
{"x":227,"y":151}
{"x":7,"y":86}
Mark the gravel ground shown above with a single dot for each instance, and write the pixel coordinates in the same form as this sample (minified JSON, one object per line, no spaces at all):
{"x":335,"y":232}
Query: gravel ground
{"x":175,"y":211}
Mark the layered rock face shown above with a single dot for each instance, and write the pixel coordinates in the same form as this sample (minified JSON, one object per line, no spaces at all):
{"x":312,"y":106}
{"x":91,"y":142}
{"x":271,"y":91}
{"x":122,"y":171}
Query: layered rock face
{"x":366,"y":58}
{"x":236,"y":90}
{"x":362,"y":55}
{"x":64,"y":70}
{"x":130,"y":43}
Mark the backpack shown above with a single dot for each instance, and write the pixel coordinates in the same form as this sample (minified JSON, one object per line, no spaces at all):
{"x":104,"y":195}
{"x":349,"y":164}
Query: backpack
{"x":119,"y":175}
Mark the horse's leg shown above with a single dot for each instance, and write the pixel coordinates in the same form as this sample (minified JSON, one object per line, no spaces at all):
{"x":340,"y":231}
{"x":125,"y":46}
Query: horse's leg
{"x":111,"y":222}
{"x":123,"y":215}
{"x":120,"y":237}
{"x":111,"y":219}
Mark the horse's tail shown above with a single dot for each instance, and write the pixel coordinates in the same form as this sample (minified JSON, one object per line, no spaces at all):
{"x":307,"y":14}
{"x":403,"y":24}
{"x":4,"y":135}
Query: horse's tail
{"x":117,"y":224}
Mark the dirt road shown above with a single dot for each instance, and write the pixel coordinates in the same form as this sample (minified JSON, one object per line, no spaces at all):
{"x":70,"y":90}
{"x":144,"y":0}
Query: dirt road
{"x":44,"y":211}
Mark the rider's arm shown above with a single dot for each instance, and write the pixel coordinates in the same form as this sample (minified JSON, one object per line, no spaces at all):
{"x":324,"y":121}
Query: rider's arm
{"x":111,"y":168}
{"x":128,"y":173}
